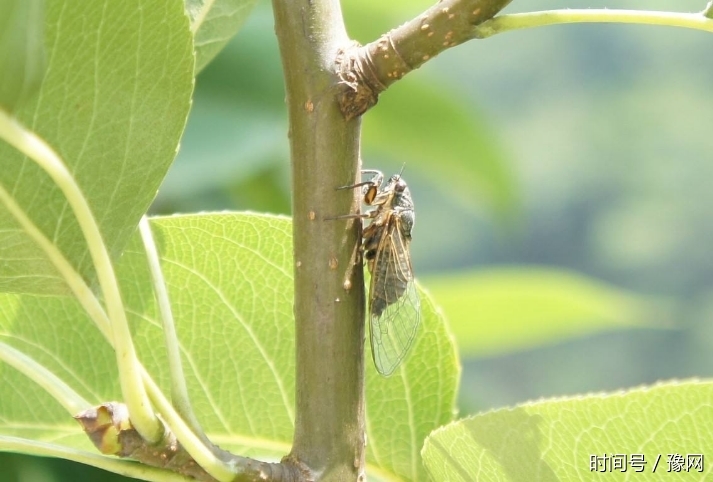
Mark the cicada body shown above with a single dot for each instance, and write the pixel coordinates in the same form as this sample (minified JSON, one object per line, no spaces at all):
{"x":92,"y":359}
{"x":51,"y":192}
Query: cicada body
{"x":394,"y":305}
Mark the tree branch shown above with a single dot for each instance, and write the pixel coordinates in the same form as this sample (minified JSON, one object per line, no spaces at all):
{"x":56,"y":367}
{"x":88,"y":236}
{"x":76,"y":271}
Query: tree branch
{"x":329,"y":319}
{"x":111,"y":431}
{"x":369,"y":70}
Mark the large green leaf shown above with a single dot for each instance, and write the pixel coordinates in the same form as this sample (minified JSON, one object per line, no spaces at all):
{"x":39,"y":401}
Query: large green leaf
{"x":230,"y":282}
{"x":22,"y":58}
{"x":113,"y":104}
{"x":555,"y":440}
{"x":505,"y":309}
{"x":213,"y":23}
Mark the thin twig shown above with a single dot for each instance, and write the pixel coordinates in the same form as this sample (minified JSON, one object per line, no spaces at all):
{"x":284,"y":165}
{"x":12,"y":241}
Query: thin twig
{"x":518,"y":21}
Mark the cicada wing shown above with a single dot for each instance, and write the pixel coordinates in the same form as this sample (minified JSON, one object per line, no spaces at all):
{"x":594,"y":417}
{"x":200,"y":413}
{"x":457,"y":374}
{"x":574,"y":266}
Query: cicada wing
{"x":394,"y":306}
{"x":393,"y":332}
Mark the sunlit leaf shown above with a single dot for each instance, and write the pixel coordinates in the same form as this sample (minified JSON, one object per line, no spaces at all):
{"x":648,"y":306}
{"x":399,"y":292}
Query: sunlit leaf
{"x":556,"y":439}
{"x":113,"y":104}
{"x":214,"y":22}
{"x":230,"y":282}
{"x":500,"y":310}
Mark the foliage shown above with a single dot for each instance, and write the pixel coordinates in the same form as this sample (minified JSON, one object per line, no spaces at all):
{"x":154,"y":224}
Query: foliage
{"x":556,"y":439}
{"x":113,"y":103}
{"x":118,"y":98}
{"x":230,"y":286}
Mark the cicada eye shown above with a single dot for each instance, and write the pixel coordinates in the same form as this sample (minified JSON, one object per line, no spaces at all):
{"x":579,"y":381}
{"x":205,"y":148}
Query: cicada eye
{"x":400,"y":185}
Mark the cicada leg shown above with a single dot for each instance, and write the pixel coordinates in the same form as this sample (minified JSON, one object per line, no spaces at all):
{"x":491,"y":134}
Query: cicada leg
{"x":370,"y":191}
{"x":370,"y":188}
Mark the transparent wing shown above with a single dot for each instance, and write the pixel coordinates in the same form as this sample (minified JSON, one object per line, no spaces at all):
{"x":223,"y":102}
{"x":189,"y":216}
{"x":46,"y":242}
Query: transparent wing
{"x":394,"y":306}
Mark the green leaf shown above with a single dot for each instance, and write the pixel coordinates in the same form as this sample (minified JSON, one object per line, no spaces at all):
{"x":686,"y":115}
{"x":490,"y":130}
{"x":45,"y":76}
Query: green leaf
{"x":499,"y":310}
{"x":432,"y":131}
{"x":113,"y":104}
{"x":22,"y":57}
{"x":213,"y":23}
{"x":554,"y":440}
{"x":230,"y":282}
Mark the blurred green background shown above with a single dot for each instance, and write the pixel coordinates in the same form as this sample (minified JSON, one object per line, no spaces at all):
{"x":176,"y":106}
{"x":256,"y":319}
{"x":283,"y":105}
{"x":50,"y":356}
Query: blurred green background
{"x":553,"y":166}
{"x":561,"y":178}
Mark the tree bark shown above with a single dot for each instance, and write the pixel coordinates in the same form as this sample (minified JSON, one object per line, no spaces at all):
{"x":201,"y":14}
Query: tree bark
{"x":329,"y":313}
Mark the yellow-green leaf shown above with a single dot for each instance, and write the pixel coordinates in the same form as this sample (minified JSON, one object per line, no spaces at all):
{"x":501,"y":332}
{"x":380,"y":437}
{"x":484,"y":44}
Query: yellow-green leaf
{"x":113,"y":104}
{"x":230,"y":283}
{"x":556,"y":440}
{"x":213,"y":23}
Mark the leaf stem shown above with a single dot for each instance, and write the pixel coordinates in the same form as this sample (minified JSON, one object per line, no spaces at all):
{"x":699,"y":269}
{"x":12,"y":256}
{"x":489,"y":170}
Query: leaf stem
{"x":51,"y":383}
{"x":112,"y":464}
{"x":518,"y":21}
{"x":202,"y":454}
{"x":179,"y":392}
{"x":222,"y":465}
{"x":215,"y":461}
{"x":25,"y":141}
{"x":371,"y":69}
{"x":74,"y":280}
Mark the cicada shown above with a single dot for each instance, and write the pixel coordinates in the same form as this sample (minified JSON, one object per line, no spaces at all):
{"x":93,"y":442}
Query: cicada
{"x":394,"y":306}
